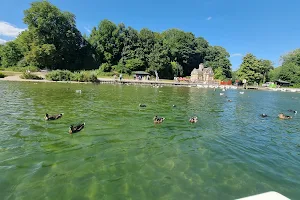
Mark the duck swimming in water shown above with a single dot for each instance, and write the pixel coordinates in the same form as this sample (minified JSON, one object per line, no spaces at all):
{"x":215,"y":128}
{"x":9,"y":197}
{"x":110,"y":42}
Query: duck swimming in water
{"x":142,"y":105}
{"x":263,"y":115}
{"x":282,"y":116}
{"x":193,"y":119}
{"x":53,"y":117}
{"x":294,"y":111}
{"x":77,"y":128}
{"x":158,"y":120}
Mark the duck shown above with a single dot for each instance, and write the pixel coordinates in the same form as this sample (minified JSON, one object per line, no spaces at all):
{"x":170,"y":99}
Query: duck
{"x":282,"y":116}
{"x":229,"y":100}
{"x":53,"y":117}
{"x":193,"y":119}
{"x":142,"y":105}
{"x":263,"y":115}
{"x":174,"y":106}
{"x":77,"y":128}
{"x":294,"y":111}
{"x":241,"y":92}
{"x":221,"y":94}
{"x":158,"y":120}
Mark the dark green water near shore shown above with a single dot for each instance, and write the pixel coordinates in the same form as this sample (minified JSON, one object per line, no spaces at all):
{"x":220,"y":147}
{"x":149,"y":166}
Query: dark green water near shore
{"x":230,"y":153}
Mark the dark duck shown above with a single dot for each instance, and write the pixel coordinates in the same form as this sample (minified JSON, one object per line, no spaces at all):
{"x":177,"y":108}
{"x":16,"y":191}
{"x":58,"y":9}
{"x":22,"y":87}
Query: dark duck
{"x":158,"y":120}
{"x":77,"y":128}
{"x":294,"y":111}
{"x":263,"y":115}
{"x":142,"y":105}
{"x":53,"y":117}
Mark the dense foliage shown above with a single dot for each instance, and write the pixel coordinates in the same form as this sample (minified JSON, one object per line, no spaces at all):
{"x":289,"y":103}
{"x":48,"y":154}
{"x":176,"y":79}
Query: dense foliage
{"x":290,"y":68}
{"x":2,"y":75}
{"x":254,"y":70}
{"x":28,"y":75}
{"x":52,"y":41}
{"x":66,"y":75}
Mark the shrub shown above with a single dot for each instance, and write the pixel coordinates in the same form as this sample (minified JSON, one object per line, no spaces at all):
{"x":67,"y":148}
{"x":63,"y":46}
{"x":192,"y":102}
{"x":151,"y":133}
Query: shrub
{"x":22,"y":69}
{"x":85,"y":76}
{"x":65,"y":75}
{"x":2,"y":75}
{"x":105,"y":67}
{"x":60,"y":75}
{"x":28,"y":75}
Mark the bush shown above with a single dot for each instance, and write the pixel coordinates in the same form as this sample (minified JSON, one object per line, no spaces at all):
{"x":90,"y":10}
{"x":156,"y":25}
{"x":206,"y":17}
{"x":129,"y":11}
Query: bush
{"x":85,"y":76}
{"x":60,"y":75}
{"x":21,"y":69}
{"x":2,"y":75}
{"x":105,"y":67}
{"x":28,"y":75}
{"x":65,"y":75}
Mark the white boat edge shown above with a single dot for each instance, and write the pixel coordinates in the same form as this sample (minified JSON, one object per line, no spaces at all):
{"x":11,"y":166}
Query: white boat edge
{"x":266,"y":196}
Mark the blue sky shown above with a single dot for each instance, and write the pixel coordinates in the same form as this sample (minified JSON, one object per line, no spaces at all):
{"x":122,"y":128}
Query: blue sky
{"x":266,"y":28}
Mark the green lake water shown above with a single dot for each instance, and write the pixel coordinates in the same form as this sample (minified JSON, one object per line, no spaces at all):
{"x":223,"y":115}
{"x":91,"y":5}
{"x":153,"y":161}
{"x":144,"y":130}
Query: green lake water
{"x":230,"y":153}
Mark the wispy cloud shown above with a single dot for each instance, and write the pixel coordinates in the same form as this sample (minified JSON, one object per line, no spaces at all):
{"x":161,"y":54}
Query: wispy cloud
{"x":236,"y":55}
{"x":209,"y":18}
{"x":2,"y":41}
{"x":87,"y":29}
{"x":10,"y":30}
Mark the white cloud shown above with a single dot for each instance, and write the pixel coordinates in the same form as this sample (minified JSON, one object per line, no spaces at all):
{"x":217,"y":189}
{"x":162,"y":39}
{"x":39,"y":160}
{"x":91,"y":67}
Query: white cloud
{"x":87,"y":29}
{"x":10,"y":30}
{"x":2,"y":41}
{"x":209,"y":18}
{"x":236,"y":55}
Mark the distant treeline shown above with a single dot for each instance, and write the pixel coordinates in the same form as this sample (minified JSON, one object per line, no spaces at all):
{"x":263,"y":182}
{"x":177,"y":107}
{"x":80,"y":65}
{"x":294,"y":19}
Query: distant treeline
{"x":52,"y":41}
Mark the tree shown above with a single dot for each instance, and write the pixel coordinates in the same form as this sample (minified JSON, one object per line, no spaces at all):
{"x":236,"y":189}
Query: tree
{"x":254,"y":70}
{"x":292,"y":57}
{"x":159,"y":61}
{"x":54,"y":32}
{"x":182,"y":47}
{"x":105,"y":41}
{"x":11,"y":54}
{"x":250,"y":69}
{"x":217,"y":57}
{"x":177,"y":68}
{"x":290,"y":71}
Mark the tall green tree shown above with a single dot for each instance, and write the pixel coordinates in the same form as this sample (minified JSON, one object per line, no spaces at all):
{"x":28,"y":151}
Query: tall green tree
{"x":11,"y":54}
{"x":159,"y":61}
{"x":55,"y":35}
{"x":182,"y":47}
{"x":254,"y":70}
{"x":217,"y":57}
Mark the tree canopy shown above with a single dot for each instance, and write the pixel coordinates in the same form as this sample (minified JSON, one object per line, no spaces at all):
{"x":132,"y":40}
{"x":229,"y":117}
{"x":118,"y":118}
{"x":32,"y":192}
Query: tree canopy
{"x":53,"y":41}
{"x":254,"y":70}
{"x":290,"y":68}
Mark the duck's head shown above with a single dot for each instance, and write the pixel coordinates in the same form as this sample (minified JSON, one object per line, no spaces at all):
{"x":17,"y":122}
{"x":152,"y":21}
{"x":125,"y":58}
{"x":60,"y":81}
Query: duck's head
{"x":46,"y":115}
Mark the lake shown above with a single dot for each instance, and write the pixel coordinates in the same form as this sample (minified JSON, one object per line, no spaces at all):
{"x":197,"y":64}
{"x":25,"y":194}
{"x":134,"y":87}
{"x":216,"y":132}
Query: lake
{"x":121,"y":154}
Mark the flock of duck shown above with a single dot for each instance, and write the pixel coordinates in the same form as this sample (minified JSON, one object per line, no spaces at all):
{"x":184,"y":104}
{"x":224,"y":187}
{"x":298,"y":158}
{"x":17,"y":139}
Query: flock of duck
{"x":156,"y":119}
{"x":72,"y":128}
{"x":79,"y":127}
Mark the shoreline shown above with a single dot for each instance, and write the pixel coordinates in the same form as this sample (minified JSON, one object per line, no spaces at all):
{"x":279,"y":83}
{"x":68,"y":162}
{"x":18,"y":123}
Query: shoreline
{"x":16,"y":78}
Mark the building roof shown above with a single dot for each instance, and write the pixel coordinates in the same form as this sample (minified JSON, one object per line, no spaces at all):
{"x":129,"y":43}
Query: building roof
{"x":203,"y":71}
{"x":281,"y":81}
{"x":140,"y":73}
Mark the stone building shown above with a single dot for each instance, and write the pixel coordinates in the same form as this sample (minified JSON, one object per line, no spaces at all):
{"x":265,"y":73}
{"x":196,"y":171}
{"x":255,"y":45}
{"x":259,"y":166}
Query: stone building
{"x":202,"y":74}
